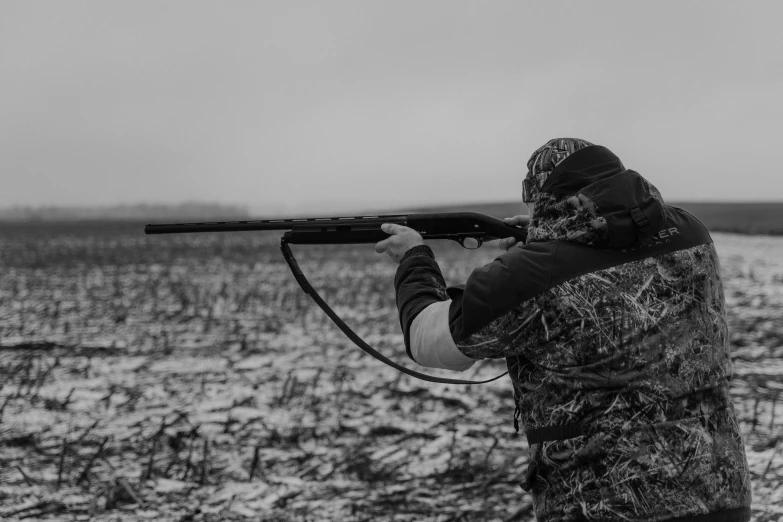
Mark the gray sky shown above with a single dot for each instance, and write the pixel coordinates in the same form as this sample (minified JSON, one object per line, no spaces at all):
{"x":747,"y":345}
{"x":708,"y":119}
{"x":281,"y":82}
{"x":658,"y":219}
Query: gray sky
{"x":291,"y":105}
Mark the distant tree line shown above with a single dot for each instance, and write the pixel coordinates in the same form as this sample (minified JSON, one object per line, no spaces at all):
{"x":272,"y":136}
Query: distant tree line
{"x":127,"y":212}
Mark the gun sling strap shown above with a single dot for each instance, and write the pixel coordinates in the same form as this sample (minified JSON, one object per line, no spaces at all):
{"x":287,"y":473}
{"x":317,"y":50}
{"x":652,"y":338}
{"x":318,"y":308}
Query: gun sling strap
{"x":288,"y":255}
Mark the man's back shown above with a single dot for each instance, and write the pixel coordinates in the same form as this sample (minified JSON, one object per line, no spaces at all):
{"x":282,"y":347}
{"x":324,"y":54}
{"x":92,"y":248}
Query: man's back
{"x":621,"y":383}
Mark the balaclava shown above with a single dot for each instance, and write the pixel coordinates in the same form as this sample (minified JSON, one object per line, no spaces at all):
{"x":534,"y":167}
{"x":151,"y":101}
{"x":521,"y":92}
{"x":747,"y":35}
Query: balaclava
{"x":575,"y":187}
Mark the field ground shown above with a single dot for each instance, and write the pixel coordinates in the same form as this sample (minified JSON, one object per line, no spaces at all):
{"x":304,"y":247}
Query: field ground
{"x":188,"y":378}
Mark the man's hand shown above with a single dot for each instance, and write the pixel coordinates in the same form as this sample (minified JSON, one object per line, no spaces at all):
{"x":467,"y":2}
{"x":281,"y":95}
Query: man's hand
{"x":401,"y":240}
{"x":521,"y":221}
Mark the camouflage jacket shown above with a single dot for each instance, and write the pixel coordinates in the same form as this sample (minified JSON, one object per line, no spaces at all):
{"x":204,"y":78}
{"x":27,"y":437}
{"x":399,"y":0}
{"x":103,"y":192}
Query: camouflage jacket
{"x":619,"y":360}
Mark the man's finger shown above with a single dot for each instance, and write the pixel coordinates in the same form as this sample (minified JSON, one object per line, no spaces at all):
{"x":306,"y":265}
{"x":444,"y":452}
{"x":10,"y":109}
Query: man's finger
{"x":507,"y":243}
{"x":382,"y":246}
{"x":392,"y":228}
{"x":517,"y":220}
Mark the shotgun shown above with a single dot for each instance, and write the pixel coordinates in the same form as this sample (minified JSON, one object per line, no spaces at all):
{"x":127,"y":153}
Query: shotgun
{"x":469,"y":229}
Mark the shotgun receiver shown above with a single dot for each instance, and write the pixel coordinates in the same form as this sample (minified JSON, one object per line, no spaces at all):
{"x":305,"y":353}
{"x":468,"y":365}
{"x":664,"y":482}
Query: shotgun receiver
{"x":469,"y":229}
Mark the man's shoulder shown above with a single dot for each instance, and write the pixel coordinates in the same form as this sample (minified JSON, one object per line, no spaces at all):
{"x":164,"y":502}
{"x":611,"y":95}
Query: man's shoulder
{"x":681,"y":230}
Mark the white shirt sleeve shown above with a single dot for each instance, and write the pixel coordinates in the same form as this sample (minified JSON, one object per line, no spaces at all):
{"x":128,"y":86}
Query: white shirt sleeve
{"x":431,"y":342}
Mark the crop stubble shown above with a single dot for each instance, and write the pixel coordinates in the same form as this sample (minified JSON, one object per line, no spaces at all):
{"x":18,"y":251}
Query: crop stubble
{"x":189,"y":378}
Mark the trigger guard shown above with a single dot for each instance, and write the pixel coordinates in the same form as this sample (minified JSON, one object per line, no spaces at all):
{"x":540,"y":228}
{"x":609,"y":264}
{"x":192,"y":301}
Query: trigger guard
{"x":479,"y":242}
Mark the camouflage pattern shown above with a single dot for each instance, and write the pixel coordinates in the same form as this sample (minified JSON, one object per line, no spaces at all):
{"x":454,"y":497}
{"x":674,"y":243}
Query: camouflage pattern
{"x":543,"y":161}
{"x":571,"y":219}
{"x":639,"y":354}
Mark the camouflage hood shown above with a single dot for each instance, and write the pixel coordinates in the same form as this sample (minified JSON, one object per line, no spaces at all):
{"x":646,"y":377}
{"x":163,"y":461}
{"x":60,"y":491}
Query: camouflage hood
{"x":582,"y":192}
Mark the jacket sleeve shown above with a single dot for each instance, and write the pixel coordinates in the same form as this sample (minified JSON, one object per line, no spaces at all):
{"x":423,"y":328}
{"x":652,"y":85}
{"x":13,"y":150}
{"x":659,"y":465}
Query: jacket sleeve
{"x":418,"y":283}
{"x":496,"y":301}
{"x":483,"y":313}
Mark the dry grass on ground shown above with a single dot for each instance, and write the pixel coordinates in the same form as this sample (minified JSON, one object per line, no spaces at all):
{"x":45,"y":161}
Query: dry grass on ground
{"x":188,"y":378}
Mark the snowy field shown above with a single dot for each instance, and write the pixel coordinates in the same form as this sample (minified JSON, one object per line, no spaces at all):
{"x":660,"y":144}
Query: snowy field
{"x":188,"y":378}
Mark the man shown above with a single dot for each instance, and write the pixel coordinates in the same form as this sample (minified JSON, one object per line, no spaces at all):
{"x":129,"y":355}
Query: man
{"x":611,"y":319}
